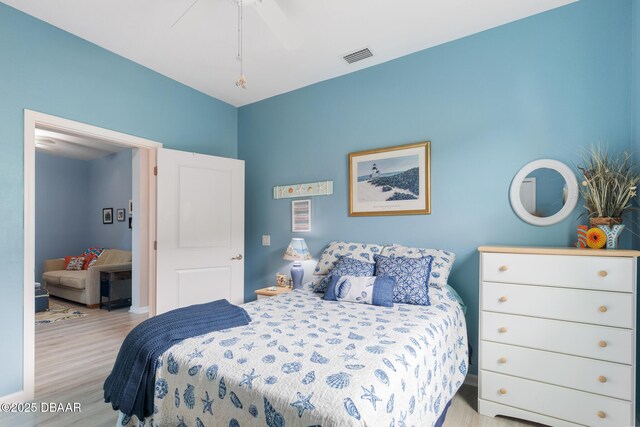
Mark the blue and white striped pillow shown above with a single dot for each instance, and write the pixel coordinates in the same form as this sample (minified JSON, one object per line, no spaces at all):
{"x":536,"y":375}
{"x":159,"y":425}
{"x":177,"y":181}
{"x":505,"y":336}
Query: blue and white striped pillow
{"x":346,"y":267}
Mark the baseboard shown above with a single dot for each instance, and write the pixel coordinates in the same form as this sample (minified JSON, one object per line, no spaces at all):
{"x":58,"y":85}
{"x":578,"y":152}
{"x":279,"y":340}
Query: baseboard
{"x":471,"y":380}
{"x":17,"y":397}
{"x":138,"y":310}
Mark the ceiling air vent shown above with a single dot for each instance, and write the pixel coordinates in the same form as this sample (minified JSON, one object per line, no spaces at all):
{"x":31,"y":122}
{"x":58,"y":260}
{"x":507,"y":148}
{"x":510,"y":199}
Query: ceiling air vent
{"x":358,"y":56}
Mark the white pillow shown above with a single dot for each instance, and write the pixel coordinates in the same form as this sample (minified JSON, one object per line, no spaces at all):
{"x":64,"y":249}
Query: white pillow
{"x":440,"y":268}
{"x":335,"y":250}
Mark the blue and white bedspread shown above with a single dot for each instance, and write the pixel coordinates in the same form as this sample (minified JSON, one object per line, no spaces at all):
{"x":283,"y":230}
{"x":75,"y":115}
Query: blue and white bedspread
{"x":304,"y":361}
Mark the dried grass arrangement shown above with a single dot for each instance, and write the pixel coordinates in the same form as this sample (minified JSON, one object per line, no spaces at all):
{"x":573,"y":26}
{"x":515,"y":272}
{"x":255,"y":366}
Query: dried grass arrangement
{"x":609,"y":183}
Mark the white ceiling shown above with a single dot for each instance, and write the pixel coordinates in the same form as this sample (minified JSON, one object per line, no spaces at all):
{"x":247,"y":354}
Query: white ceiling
{"x":200,"y":51}
{"x":72,"y":146}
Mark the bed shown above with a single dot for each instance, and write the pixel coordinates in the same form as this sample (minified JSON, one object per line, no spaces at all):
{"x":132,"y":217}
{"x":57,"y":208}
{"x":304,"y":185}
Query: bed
{"x":304,"y":361}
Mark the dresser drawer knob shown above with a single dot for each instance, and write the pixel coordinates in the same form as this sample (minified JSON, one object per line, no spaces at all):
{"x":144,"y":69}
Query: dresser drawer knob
{"x":502,"y":360}
{"x":503,"y":268}
{"x":602,"y":379}
{"x":503,"y":299}
{"x":603,"y":309}
{"x":602,"y":273}
{"x":502,"y":330}
{"x":602,"y":344}
{"x":502,"y":391}
{"x":601,"y":414}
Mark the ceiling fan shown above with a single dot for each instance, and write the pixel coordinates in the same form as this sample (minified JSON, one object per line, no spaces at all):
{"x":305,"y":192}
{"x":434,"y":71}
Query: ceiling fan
{"x":273,"y":16}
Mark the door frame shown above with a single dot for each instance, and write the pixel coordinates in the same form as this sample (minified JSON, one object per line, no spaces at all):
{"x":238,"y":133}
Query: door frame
{"x":33,"y":119}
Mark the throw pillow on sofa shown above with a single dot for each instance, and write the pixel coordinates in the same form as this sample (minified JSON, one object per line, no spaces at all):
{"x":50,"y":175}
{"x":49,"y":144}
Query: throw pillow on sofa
{"x":93,"y":251}
{"x":89,"y":261}
{"x":75,"y":263}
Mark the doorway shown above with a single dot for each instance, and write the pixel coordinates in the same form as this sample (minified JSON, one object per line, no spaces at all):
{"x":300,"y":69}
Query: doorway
{"x":143,"y":213}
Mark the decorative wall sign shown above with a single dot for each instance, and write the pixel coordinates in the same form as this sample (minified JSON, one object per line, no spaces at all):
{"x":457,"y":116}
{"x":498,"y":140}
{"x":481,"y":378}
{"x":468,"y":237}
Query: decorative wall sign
{"x":300,"y":215}
{"x":390,"y":181}
{"x":582,"y":237}
{"x":321,"y":188}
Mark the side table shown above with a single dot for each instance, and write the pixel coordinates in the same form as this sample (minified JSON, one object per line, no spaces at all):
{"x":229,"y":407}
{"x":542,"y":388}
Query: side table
{"x":115,"y":284}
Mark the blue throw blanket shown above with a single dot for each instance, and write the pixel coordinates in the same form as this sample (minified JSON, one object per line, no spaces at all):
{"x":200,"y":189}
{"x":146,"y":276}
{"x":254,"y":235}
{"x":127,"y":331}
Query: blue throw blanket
{"x":130,"y":387}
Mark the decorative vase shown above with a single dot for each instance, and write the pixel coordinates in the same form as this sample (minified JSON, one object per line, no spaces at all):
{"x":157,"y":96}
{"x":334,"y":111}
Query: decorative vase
{"x":608,"y":221}
{"x":297,"y":272}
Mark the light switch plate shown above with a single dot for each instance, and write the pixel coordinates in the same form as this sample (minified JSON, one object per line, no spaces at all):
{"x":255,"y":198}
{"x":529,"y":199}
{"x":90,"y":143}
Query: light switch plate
{"x":266,"y":240}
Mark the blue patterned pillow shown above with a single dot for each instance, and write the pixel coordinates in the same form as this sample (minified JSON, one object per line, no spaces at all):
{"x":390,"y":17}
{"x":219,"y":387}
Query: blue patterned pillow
{"x":346,"y":267}
{"x":440,"y":268}
{"x":411,"y":275}
{"x":334,"y":250}
{"x":376,"y":290}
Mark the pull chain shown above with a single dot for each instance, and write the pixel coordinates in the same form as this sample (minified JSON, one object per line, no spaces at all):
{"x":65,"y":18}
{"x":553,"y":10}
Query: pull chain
{"x":242,"y":81}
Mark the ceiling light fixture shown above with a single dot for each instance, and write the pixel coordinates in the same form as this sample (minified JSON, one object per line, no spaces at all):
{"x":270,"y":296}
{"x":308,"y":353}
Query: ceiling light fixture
{"x":242,"y":80}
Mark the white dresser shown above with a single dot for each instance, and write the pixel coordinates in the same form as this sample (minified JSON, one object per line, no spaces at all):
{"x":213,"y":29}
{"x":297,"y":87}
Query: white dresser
{"x":558,"y":335}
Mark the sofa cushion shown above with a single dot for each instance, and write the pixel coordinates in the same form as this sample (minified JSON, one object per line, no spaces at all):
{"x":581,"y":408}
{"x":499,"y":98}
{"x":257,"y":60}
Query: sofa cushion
{"x":52,"y":277}
{"x":69,"y":279}
{"x":113,"y":256}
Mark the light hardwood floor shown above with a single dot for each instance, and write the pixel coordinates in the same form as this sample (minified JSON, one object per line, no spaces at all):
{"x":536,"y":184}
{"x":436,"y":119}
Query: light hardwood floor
{"x":73,"y":358}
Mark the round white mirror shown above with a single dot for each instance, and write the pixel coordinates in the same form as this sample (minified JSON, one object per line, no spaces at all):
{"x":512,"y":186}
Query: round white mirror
{"x":544,"y":192}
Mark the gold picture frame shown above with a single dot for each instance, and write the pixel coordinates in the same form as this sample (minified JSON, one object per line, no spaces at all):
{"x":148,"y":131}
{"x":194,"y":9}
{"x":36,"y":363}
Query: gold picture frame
{"x":391,"y":181}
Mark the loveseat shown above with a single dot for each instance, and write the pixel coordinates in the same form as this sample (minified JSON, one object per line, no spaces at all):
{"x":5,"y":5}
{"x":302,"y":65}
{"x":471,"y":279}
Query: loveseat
{"x":83,"y":286}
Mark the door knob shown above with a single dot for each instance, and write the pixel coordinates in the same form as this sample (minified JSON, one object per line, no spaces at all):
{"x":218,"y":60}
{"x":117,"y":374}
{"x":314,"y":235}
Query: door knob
{"x":237,"y":257}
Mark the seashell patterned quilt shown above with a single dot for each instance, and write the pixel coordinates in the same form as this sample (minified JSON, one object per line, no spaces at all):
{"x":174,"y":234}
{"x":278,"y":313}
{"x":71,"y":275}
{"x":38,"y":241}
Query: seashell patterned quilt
{"x":305,"y":361}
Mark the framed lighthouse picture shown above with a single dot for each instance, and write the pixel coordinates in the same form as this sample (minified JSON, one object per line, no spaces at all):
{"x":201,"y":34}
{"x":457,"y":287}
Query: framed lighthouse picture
{"x":391,"y":181}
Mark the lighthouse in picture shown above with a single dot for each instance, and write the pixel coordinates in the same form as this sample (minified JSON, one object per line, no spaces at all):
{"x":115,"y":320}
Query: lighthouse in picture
{"x":374,"y":171}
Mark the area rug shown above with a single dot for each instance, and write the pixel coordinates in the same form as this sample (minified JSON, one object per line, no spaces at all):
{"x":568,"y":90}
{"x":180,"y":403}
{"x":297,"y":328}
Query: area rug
{"x":56,"y":313}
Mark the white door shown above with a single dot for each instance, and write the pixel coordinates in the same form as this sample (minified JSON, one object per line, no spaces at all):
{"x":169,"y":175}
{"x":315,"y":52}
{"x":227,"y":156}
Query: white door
{"x":200,"y":235}
{"x":528,"y":194}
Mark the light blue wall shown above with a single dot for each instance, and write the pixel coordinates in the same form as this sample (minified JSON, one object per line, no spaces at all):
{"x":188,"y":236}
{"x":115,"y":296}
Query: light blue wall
{"x":62,"y":201}
{"x":542,"y":87}
{"x":111,"y":185}
{"x":48,"y":70}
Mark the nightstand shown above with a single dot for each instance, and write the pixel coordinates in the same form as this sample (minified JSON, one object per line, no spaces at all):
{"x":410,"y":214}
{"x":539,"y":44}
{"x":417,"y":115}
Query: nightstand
{"x":267,"y":292}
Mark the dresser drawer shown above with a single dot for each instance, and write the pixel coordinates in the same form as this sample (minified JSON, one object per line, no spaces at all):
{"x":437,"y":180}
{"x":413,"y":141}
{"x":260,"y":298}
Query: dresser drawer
{"x":567,"y":404}
{"x":597,"y":307}
{"x":595,"y":376}
{"x":588,"y":272}
{"x":597,"y":342}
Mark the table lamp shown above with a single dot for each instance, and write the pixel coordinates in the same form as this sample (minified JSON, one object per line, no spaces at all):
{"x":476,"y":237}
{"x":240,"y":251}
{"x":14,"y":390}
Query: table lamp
{"x":297,"y":251}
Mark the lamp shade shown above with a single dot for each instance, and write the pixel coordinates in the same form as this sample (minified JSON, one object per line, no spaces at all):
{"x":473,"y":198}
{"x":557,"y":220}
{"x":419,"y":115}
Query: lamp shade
{"x":297,"y":251}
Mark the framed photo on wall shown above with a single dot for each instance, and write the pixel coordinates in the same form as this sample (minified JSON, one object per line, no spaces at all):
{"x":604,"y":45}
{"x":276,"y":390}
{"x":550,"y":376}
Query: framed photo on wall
{"x":120,"y":215}
{"x":107,"y":216}
{"x":301,"y":215}
{"x":391,"y":181}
